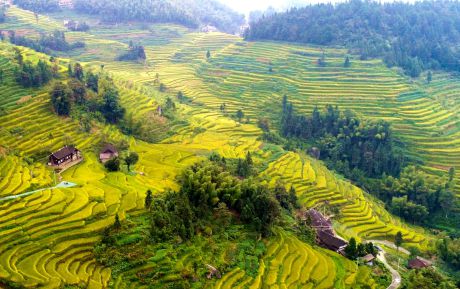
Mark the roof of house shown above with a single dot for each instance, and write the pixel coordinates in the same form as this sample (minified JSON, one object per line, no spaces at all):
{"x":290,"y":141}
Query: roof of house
{"x":368,"y":258}
{"x":109,"y":148}
{"x":418,"y":263}
{"x":65,"y":151}
{"x":330,"y":240}
{"x":318,"y":220}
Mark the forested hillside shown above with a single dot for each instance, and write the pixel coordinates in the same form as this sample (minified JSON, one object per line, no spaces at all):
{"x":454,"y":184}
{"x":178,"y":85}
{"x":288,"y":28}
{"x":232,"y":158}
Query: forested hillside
{"x":417,"y":36}
{"x":191,"y":13}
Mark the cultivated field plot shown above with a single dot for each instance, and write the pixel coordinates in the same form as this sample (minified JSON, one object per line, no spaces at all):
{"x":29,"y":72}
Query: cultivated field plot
{"x":47,"y":238}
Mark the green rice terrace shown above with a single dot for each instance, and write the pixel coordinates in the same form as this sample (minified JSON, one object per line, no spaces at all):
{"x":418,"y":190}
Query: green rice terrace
{"x":47,"y":238}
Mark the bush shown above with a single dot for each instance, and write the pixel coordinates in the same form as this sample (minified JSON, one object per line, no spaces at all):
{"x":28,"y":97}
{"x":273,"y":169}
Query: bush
{"x":113,"y":165}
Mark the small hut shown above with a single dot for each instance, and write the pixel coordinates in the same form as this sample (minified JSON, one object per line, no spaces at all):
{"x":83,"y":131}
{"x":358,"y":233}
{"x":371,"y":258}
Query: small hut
{"x":108,"y":152}
{"x":418,"y":263}
{"x":368,"y":259}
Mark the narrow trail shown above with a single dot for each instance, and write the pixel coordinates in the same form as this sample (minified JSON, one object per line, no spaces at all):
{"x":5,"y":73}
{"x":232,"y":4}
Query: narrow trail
{"x":61,"y":185}
{"x":395,"y":276}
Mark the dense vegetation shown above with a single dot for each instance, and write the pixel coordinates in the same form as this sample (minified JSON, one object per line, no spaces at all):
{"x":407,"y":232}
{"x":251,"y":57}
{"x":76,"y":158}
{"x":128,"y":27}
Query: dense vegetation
{"x":29,"y":75}
{"x":134,"y":53}
{"x":190,"y":13}
{"x":94,"y":96}
{"x":46,"y":43}
{"x":415,"y":36}
{"x":353,"y":145}
{"x":427,"y":278}
{"x":38,"y":5}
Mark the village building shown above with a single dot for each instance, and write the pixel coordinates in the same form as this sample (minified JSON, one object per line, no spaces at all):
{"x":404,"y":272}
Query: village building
{"x":65,"y":3}
{"x":209,"y":28}
{"x":418,"y":263}
{"x":107,"y":153}
{"x":325,"y":236}
{"x":368,"y":259}
{"x":65,"y":157}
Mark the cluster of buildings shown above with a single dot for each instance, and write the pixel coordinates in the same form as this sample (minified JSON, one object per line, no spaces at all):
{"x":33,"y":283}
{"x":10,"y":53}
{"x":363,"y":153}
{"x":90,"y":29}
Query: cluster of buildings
{"x":69,"y":156}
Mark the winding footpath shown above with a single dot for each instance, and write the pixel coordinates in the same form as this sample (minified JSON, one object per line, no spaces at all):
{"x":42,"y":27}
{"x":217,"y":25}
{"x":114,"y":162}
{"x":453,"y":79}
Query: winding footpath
{"x":59,"y":186}
{"x":395,"y":276}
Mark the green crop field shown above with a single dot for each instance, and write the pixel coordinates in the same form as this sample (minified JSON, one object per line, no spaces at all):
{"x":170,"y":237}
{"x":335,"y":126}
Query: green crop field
{"x":47,"y":238}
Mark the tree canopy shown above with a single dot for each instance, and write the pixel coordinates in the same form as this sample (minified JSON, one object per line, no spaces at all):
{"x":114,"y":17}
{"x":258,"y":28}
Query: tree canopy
{"x":415,"y":36}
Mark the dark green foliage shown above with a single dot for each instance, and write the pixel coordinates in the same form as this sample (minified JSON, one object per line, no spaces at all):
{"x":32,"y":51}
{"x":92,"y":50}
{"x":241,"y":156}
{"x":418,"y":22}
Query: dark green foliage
{"x":427,"y":278}
{"x":205,"y":189}
{"x":117,"y":223}
{"x":347,"y":62}
{"x":29,"y":75}
{"x":190,"y":13}
{"x":38,"y":5}
{"x":429,"y":76}
{"x":78,"y":72}
{"x":354,"y":250}
{"x":244,"y":167}
{"x":135,"y":53}
{"x":60,"y":98}
{"x":208,"y":54}
{"x":239,"y":115}
{"x":345,"y":141}
{"x":398,"y":239}
{"x":92,"y":81}
{"x":113,"y":165}
{"x":148,"y":199}
{"x":2,"y":76}
{"x":414,"y":36}
{"x":415,"y":195}
{"x":131,"y":159}
{"x":77,"y":26}
{"x":47,"y":42}
{"x":110,"y":106}
{"x":449,"y":251}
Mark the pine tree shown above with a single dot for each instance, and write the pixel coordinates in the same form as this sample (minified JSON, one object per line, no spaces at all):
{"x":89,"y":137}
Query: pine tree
{"x":148,"y":199}
{"x":351,"y":250}
{"x":117,"y":223}
{"x":347,"y":62}
{"x":429,"y":76}
{"x":398,"y":239}
{"x":239,"y":114}
{"x":208,"y":54}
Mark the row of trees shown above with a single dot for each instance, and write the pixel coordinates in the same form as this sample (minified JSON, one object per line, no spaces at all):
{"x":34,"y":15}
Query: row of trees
{"x":135,"y":53}
{"x":415,"y":195}
{"x":28,"y":74}
{"x":207,"y":189}
{"x":191,"y":13}
{"x":415,"y":36}
{"x":93,"y":93}
{"x":354,"y":250}
{"x":46,"y":43}
{"x":38,"y":5}
{"x":345,"y":140}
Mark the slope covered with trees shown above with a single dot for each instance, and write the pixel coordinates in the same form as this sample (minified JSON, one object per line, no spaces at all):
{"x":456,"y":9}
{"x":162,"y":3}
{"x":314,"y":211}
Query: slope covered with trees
{"x":191,"y":13}
{"x":417,"y":36}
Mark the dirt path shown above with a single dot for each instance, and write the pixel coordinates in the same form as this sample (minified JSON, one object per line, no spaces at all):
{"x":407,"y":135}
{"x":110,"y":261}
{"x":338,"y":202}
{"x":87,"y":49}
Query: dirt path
{"x":60,"y":185}
{"x":395,"y":276}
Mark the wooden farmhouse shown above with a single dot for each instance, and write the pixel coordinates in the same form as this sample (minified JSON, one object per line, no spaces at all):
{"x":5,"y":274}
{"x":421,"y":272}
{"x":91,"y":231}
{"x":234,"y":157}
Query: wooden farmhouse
{"x":325,"y":236}
{"x":65,"y":157}
{"x":108,"y":152}
{"x":418,"y":263}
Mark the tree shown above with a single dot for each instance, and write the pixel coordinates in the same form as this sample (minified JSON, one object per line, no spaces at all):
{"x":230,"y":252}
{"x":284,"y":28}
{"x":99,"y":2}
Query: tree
{"x":2,"y":76}
{"x":131,"y":159}
{"x":117,"y":223}
{"x":60,"y":98}
{"x":113,"y":165}
{"x":110,"y":108}
{"x":148,"y":199}
{"x":18,"y":55}
{"x":351,"y":250}
{"x":398,"y":240}
{"x":451,"y":174}
{"x":208,"y":54}
{"x":347,"y":62}
{"x":429,"y":76}
{"x":78,"y":72}
{"x":239,"y":115}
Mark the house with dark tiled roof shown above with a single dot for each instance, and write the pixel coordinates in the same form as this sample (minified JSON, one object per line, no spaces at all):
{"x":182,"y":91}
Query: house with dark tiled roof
{"x":418,"y":263}
{"x":325,"y":236}
{"x":64,"y":157}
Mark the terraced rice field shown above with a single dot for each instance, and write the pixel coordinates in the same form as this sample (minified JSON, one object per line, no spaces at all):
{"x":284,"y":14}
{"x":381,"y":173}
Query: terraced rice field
{"x":46,"y":238}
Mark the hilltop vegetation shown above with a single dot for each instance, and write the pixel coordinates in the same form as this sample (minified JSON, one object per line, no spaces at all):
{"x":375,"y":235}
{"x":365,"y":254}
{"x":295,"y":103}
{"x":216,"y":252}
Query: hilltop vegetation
{"x":38,"y":6}
{"x":191,"y":13}
{"x":414,"y":36}
{"x":181,"y":105}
